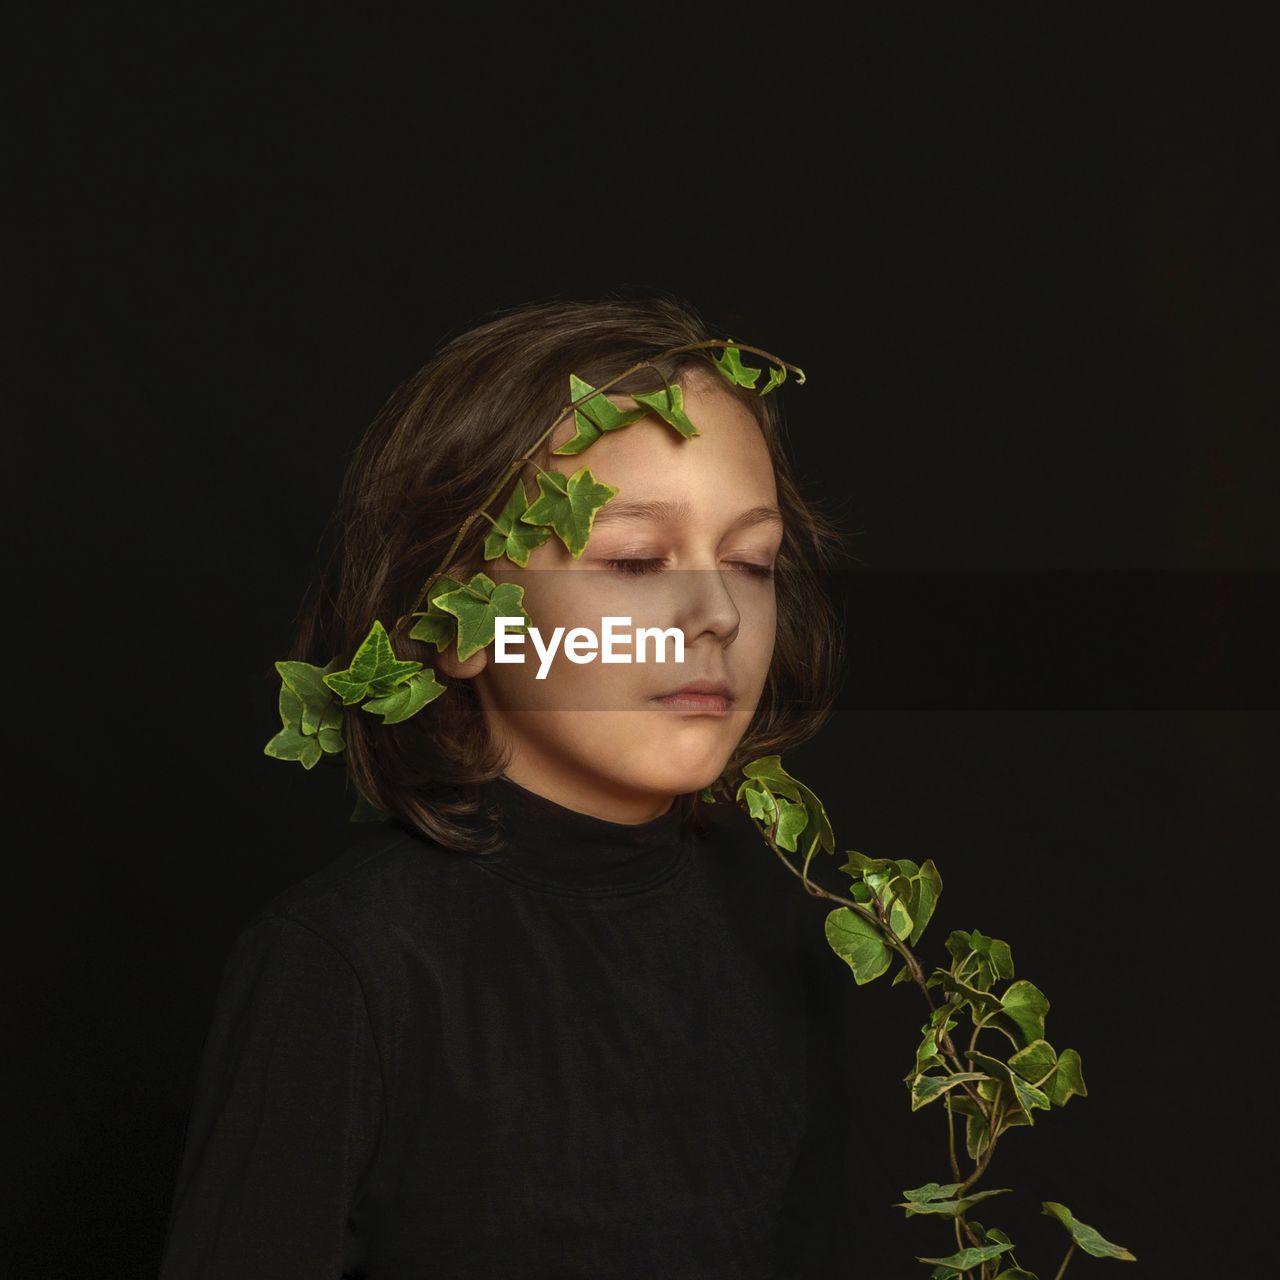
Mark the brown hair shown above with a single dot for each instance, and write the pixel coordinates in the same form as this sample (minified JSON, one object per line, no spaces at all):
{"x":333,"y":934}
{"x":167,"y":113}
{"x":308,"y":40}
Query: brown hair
{"x":429,"y":458}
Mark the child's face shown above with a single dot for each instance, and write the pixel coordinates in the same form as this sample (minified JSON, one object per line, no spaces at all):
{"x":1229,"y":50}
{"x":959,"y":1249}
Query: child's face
{"x":591,"y":735}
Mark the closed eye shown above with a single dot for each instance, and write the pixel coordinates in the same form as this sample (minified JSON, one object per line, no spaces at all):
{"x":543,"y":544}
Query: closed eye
{"x":637,"y":565}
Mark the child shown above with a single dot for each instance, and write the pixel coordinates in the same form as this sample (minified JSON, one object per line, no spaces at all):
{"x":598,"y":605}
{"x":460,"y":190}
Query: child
{"x":551,"y":1015}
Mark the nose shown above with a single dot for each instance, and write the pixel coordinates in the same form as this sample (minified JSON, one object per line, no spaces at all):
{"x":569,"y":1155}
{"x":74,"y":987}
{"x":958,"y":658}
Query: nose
{"x":702,"y":604}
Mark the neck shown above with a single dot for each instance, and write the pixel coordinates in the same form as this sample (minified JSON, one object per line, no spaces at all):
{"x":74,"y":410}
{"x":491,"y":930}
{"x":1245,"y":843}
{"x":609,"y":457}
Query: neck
{"x":565,"y":850}
{"x":596,"y":797}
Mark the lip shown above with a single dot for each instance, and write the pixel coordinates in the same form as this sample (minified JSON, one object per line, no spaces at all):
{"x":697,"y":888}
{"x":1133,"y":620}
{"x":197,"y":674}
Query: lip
{"x":700,"y":697}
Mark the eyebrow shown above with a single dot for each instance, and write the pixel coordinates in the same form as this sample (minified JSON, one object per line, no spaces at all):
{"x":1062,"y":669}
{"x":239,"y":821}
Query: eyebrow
{"x":675,"y":511}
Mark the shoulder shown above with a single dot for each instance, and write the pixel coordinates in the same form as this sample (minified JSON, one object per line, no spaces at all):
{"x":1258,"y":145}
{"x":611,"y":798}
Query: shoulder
{"x":385,"y":879}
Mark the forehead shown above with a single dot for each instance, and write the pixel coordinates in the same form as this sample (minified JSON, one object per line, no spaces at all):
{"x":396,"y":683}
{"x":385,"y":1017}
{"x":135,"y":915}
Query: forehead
{"x":724,"y":471}
{"x":619,"y":511}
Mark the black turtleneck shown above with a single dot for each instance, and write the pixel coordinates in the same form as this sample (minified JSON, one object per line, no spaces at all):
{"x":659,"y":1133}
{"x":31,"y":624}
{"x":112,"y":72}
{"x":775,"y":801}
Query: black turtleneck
{"x":591,"y":1055}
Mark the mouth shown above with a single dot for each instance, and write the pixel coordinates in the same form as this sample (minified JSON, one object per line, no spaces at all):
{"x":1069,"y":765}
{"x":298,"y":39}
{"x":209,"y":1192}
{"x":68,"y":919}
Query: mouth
{"x":699,"y":697}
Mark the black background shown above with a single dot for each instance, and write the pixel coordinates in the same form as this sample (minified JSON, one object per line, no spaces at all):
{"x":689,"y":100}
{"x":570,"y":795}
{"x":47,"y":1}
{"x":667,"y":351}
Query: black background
{"x":1023,"y":256}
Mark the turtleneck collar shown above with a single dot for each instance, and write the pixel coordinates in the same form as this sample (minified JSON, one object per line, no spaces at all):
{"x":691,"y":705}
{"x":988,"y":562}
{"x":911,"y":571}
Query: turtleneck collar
{"x":552,"y":847}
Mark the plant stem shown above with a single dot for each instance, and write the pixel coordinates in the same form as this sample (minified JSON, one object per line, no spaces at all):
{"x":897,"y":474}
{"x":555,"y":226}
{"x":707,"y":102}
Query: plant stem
{"x":951,"y":1138}
{"x":969,"y":1231}
{"x":983,"y":1161}
{"x":980,"y":1024}
{"x":1062,"y":1270}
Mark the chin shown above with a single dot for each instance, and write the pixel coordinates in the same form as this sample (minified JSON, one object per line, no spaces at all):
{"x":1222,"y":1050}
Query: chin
{"x":673,"y":766}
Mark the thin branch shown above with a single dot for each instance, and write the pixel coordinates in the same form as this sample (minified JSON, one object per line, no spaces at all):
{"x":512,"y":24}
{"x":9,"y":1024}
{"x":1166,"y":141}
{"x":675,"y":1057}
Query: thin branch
{"x":951,"y":1137}
{"x":1062,"y":1270}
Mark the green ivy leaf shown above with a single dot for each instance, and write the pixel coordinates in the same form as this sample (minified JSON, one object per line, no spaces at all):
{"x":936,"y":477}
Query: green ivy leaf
{"x":927,"y":1054}
{"x":569,"y":505}
{"x":761,"y":806}
{"x":991,"y":959}
{"x":307,"y":681}
{"x":943,"y":1014}
{"x":477,"y":606}
{"x":707,"y":795}
{"x":858,"y":943}
{"x":1035,"y":1061}
{"x":777,"y":376}
{"x":408,"y":699}
{"x":1084,"y":1235}
{"x":926,"y":889}
{"x":670,"y":411}
{"x":584,"y":435}
{"x":926,"y":1089}
{"x":767,"y":772}
{"x":792,"y":820}
{"x":1025,"y":1006}
{"x":593,"y":417}
{"x":374,"y":671}
{"x":730,"y":364}
{"x":1026,"y":1096}
{"x":859,"y":864}
{"x":290,"y":743}
{"x":880,"y":880}
{"x":1010,"y":1112}
{"x":933,"y":1191}
{"x":435,"y":626}
{"x":311,"y":722}
{"x":976,"y":1130}
{"x":894,"y":892}
{"x":1067,"y":1080}
{"x":941,"y":1203}
{"x":999,"y":959}
{"x":329,"y":730}
{"x":1059,"y":1077}
{"x":966,"y":1259}
{"x":511,"y":536}
{"x":900,"y":920}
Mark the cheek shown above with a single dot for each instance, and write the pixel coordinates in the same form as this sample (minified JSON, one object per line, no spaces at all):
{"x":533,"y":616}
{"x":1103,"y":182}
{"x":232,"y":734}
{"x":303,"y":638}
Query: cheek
{"x":568,"y":599}
{"x":753,"y":652}
{"x":758,"y":613}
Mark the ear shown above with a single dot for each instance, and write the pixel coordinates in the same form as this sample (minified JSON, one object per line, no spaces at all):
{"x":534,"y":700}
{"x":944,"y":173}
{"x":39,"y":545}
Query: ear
{"x":447,"y":662}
